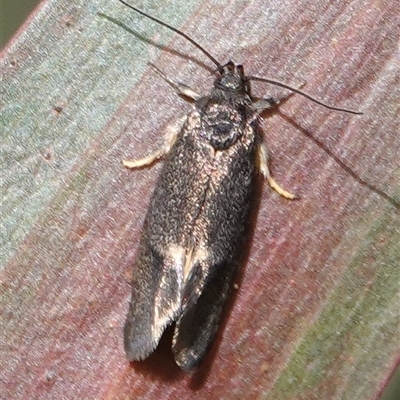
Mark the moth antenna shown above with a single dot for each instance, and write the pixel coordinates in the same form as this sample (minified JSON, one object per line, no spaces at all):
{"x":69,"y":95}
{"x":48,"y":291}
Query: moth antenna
{"x":304,"y":94}
{"x":188,"y":38}
{"x":248,"y":78}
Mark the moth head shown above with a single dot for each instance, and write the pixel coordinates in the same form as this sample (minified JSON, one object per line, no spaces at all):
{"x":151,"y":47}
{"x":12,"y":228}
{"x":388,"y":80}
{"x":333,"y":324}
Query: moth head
{"x":232,"y":79}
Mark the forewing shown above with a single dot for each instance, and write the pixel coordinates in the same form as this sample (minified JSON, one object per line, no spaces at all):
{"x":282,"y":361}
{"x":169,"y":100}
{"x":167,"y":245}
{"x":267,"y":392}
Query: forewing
{"x":223,"y":223}
{"x":154,"y":304}
{"x":198,"y":325}
{"x":158,"y":274}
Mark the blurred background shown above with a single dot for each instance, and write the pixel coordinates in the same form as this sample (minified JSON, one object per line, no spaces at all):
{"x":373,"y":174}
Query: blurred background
{"x":13,"y":14}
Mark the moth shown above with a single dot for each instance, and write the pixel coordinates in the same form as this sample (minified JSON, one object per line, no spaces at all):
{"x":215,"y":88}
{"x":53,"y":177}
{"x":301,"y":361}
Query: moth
{"x":193,"y":230}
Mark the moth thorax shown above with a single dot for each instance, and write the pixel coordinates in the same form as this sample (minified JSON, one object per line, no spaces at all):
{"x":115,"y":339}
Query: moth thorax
{"x":223,"y":127}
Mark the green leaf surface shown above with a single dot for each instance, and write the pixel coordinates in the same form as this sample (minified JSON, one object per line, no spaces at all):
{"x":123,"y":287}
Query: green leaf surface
{"x":316,"y":315}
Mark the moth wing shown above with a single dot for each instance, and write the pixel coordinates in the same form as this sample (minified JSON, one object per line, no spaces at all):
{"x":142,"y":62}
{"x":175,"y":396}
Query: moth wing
{"x":154,"y":304}
{"x":224,"y":221}
{"x":199,"y":323}
{"x":158,"y":273}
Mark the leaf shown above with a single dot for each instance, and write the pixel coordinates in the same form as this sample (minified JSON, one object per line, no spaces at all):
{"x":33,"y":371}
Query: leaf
{"x":316,"y":312}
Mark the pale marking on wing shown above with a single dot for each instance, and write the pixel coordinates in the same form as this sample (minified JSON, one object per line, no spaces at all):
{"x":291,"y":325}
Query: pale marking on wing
{"x":164,"y":315}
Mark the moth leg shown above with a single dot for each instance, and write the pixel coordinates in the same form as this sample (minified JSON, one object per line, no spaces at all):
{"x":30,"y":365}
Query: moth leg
{"x":266,"y":103}
{"x":169,"y":140}
{"x":262,"y":164}
{"x":262,"y":156}
{"x":181,"y":88}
